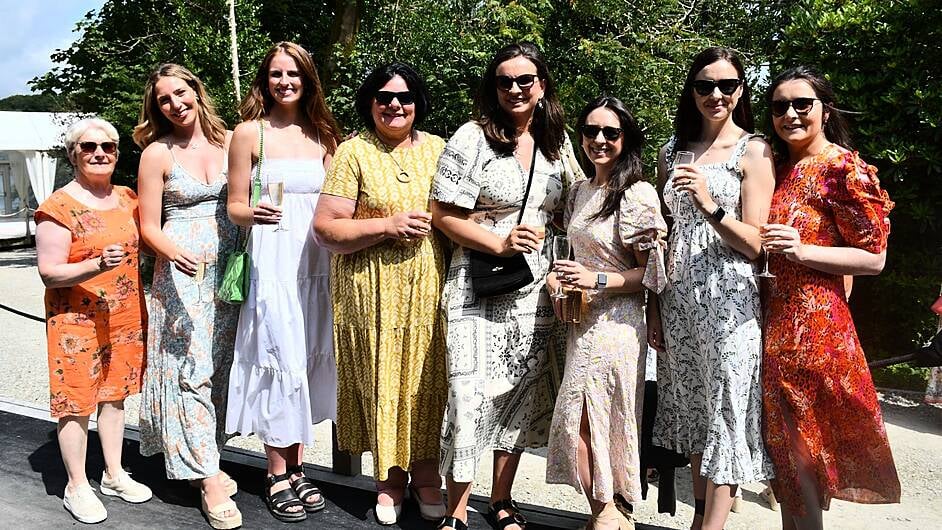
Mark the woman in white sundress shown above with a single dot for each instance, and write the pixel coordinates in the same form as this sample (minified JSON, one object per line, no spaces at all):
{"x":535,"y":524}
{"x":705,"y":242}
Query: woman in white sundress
{"x":284,"y":376}
{"x":708,"y":369}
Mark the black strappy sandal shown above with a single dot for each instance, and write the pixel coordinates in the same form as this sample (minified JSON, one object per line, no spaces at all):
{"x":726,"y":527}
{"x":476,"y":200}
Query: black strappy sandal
{"x":305,"y":488}
{"x":278,"y":503}
{"x":515,"y":516}
{"x":453,"y":522}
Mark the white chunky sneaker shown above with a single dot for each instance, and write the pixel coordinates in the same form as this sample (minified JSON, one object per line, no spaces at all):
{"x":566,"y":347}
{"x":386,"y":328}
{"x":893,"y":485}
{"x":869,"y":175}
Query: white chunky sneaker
{"x":84,"y":505}
{"x":125,"y":487}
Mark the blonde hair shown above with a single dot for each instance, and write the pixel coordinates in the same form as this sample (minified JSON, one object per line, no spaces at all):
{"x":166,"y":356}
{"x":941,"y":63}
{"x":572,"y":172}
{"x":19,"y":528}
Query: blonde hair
{"x":153,"y":125}
{"x":258,"y":102}
{"x":79,"y":128}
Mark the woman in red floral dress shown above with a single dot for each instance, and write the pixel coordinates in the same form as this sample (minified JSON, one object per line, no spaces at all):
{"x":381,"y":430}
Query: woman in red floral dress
{"x":823,"y":426}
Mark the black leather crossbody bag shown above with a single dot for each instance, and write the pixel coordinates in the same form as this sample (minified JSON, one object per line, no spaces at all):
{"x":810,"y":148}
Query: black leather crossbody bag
{"x":495,"y":275}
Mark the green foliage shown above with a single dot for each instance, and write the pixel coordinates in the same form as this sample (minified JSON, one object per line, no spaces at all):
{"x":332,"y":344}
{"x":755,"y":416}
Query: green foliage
{"x":885,"y":61}
{"x":902,"y":377}
{"x":33,"y":103}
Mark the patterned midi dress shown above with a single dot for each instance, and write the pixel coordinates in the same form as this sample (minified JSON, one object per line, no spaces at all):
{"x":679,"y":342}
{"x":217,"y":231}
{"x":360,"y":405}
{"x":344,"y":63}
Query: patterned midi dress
{"x":190,"y":333}
{"x":389,"y":333}
{"x":606,"y":352}
{"x":503,"y":352}
{"x":94,"y":330}
{"x":709,"y":377}
{"x":815,"y":370}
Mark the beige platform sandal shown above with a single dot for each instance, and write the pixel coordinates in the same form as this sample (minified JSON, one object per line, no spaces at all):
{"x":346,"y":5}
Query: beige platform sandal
{"x":216,"y":517}
{"x":611,"y":514}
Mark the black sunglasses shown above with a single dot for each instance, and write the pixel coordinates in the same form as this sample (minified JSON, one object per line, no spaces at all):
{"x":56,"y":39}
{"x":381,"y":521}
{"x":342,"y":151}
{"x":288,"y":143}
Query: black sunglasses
{"x":89,"y":148}
{"x":610,"y":133}
{"x":705,"y":87}
{"x":801,"y":105}
{"x":385,"y":97}
{"x":525,"y":81}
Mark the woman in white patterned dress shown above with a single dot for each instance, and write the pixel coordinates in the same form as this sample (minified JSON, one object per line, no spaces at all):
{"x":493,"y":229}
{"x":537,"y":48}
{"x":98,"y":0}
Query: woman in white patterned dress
{"x":709,"y":386}
{"x":502,"y":379}
{"x":182,"y":195}
{"x":616,"y":230}
{"x":284,"y":376}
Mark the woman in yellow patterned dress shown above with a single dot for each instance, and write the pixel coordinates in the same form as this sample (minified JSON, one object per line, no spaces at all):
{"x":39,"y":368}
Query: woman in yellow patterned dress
{"x":386,"y":278}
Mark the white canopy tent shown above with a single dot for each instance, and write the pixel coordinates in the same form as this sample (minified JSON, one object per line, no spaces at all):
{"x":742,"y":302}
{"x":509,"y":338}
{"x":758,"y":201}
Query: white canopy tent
{"x":26,"y":139}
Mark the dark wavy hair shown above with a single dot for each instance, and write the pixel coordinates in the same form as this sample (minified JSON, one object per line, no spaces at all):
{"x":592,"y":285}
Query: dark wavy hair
{"x":548,"y":127}
{"x":836,"y":128}
{"x":379,"y":77}
{"x":628,"y":168}
{"x":258,"y":102}
{"x":688,"y":122}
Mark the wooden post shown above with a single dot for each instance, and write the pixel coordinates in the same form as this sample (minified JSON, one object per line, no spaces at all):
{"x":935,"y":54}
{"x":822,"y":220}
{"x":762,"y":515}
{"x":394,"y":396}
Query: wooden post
{"x":343,"y":463}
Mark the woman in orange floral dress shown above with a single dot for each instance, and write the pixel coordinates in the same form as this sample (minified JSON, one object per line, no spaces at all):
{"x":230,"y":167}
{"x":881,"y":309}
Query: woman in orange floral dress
{"x":87,"y":248}
{"x":823,"y":426}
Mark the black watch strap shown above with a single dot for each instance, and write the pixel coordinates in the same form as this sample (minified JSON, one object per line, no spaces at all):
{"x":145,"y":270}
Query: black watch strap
{"x":718,"y":214}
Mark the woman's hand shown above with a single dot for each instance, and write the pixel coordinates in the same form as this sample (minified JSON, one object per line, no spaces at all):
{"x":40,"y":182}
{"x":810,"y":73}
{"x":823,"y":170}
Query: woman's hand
{"x":687,"y":177}
{"x":111,"y":257}
{"x":185,"y":262}
{"x":266,"y":214}
{"x":783,"y":239}
{"x":522,"y":238}
{"x":573,"y":274}
{"x":409,"y":225}
{"x":655,"y":328}
{"x":552,"y":285}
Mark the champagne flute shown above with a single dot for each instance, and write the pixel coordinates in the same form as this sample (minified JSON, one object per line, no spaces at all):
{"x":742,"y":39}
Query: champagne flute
{"x":561,"y":251}
{"x":276,"y":193}
{"x":765,"y":255}
{"x":680,"y":157}
{"x":199,"y":276}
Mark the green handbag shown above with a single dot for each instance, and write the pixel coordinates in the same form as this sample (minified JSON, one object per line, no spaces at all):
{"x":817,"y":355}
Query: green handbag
{"x":234,"y":288}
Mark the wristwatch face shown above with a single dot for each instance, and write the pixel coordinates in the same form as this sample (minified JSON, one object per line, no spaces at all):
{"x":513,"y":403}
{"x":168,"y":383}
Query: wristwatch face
{"x":602,"y":279}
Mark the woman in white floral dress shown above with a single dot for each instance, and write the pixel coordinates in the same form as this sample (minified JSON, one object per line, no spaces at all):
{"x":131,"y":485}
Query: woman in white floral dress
{"x":502,"y":380}
{"x":709,"y":385}
{"x":616,"y":231}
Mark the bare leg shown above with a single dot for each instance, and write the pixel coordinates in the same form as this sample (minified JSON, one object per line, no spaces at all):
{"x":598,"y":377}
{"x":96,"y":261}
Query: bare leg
{"x":458,"y":495}
{"x":111,"y":434}
{"x":719,"y":501}
{"x":585,"y":464}
{"x":426,"y":481}
{"x":813,"y":517}
{"x":390,"y":492}
{"x":73,"y":444}
{"x":505,"y":469}
{"x":699,"y":489}
{"x":278,"y":461}
{"x":295,"y":457}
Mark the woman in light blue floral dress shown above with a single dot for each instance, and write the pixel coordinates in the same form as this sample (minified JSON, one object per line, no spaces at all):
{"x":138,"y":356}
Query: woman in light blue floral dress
{"x":182,"y":184}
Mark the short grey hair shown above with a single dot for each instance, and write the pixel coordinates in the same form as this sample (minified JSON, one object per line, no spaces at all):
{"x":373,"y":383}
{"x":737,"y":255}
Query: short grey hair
{"x":79,"y":128}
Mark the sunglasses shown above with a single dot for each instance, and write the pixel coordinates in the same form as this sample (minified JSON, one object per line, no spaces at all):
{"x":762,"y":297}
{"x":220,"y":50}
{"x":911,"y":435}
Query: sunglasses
{"x":610,"y":133}
{"x":385,"y":97}
{"x":525,"y":81}
{"x":705,"y":87}
{"x":802,"y":106}
{"x":90,"y":148}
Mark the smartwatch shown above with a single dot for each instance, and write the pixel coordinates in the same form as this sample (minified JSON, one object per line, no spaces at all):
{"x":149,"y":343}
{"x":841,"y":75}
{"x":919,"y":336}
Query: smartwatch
{"x":601,"y":280}
{"x":718,"y":214}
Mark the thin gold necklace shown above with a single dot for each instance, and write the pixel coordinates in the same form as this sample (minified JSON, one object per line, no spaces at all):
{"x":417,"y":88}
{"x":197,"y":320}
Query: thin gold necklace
{"x":403,"y":176}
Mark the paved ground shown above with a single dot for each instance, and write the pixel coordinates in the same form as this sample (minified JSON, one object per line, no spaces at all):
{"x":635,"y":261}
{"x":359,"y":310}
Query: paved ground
{"x":915,"y":432}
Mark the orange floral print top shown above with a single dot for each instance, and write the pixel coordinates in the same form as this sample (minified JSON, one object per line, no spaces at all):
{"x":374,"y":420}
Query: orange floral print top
{"x":94,"y":330}
{"x":814,"y":369}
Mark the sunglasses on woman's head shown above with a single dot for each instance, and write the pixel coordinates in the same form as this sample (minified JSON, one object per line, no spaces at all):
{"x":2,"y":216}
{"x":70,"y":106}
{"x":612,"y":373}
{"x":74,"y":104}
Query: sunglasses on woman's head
{"x":802,"y":106}
{"x":705,"y":87}
{"x":385,"y":97}
{"x":525,"y":81}
{"x":89,"y":148}
{"x":610,"y":133}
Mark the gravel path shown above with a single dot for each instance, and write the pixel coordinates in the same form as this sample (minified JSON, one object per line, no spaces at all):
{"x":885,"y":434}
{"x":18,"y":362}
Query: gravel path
{"x":915,"y":432}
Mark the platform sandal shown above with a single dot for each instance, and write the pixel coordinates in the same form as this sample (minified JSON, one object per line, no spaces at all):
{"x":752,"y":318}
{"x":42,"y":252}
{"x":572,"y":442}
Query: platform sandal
{"x":305,"y":489}
{"x":278,"y":503}
{"x":452,"y":522}
{"x":515,"y":516}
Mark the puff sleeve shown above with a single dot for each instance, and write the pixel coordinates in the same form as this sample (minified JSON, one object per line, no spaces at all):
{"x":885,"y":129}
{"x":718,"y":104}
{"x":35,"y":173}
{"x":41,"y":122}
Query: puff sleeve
{"x":457,"y":178}
{"x":343,"y":176}
{"x":641,"y":227}
{"x":859,"y":206}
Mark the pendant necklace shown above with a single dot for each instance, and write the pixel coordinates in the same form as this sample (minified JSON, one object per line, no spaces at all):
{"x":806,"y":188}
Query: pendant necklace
{"x":403,"y":176}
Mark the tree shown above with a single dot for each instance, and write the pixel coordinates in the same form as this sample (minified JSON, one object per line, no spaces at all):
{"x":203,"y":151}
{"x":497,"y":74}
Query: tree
{"x":33,"y":103}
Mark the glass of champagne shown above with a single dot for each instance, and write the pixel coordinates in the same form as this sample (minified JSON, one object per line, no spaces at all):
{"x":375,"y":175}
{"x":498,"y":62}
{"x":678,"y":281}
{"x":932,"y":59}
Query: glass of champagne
{"x":680,"y":157}
{"x":276,"y":193}
{"x":561,"y":251}
{"x":765,"y":255}
{"x":199,"y":276}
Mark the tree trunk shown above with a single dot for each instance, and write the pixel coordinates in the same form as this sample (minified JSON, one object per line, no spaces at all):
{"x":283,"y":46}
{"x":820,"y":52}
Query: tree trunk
{"x":343,"y":31}
{"x":234,"y":50}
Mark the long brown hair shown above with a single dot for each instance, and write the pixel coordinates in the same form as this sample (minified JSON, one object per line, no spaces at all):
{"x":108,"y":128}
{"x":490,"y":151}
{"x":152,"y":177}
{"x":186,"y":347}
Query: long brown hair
{"x":153,"y":125}
{"x":548,"y":123}
{"x":258,"y":102}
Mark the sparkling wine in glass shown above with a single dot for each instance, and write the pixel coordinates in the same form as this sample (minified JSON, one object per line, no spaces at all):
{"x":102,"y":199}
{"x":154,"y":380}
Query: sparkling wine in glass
{"x":680,"y":157}
{"x":198,"y":278}
{"x":765,"y":255}
{"x":276,"y":192}
{"x":561,"y":251}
